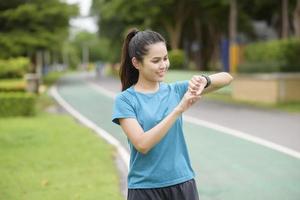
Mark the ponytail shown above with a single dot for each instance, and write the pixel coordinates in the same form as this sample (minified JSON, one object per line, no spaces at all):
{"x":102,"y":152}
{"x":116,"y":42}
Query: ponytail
{"x":128,"y":73}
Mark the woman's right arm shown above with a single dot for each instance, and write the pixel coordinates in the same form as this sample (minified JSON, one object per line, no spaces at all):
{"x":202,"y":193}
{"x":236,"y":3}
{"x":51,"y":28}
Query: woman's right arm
{"x":144,"y":141}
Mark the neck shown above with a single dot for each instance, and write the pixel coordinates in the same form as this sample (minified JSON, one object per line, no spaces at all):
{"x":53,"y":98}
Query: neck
{"x":146,"y":86}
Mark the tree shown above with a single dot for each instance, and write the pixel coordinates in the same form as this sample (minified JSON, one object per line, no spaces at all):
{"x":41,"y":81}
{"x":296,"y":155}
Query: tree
{"x":28,"y":26}
{"x":285,"y":19}
{"x":297,"y":19}
{"x":169,"y":14}
{"x":204,"y":31}
{"x":97,"y":47}
{"x":233,"y":21}
{"x":196,"y":26}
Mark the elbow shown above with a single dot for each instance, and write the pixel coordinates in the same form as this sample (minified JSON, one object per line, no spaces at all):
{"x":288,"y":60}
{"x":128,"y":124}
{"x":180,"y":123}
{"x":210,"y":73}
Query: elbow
{"x":228,"y":78}
{"x":142,"y":148}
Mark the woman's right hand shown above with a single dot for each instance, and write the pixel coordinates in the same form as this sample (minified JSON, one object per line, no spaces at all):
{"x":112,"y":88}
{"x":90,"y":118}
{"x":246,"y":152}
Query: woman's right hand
{"x":187,"y":101}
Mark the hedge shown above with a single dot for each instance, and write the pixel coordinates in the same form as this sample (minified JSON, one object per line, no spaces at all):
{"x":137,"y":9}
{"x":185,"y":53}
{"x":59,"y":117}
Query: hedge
{"x":12,"y":85}
{"x":272,"y":56}
{"x":16,"y":104}
{"x":14,"y":67}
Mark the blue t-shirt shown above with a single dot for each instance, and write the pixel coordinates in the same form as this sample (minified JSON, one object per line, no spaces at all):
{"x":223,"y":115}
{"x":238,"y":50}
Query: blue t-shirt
{"x":167,"y":163}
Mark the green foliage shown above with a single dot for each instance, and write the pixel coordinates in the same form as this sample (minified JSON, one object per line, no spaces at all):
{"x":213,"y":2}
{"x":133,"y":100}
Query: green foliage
{"x":143,"y":14}
{"x":99,"y":47}
{"x":71,"y":53}
{"x":203,"y":22}
{"x":272,"y":56}
{"x":14,"y":67}
{"x":176,"y":58}
{"x":52,"y":77}
{"x":28,"y":26}
{"x":291,"y":51}
{"x":16,"y":104}
{"x":259,"y":67}
{"x":12,"y":85}
{"x":171,"y":18}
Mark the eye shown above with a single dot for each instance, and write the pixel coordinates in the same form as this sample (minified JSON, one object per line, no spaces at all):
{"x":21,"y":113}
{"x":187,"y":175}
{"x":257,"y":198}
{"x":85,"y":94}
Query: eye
{"x":155,"y":61}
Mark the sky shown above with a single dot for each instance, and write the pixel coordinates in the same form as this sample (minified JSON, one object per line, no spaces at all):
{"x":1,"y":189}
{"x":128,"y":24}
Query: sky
{"x":84,"y":22}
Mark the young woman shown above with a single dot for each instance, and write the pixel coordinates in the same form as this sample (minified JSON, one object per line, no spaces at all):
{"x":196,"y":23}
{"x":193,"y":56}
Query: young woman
{"x":149,"y":112}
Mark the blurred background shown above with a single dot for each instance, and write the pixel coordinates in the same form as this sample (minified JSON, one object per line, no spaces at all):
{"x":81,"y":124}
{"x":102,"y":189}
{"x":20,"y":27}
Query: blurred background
{"x":246,"y":37}
{"x":202,"y":35}
{"x":257,"y":41}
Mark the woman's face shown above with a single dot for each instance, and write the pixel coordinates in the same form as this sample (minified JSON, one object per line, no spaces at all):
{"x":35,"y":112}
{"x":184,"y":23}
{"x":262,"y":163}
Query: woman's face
{"x":155,"y":64}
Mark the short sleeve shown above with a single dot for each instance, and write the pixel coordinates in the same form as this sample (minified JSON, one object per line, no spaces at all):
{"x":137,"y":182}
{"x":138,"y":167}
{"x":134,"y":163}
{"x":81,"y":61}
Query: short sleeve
{"x":181,"y":87}
{"x":123,"y":108}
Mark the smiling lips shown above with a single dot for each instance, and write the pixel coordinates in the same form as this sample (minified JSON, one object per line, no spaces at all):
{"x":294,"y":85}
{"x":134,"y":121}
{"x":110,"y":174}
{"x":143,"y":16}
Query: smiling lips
{"x":161,"y":73}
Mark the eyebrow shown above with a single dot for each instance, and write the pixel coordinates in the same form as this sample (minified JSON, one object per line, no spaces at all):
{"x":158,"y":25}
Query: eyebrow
{"x":159,"y":57}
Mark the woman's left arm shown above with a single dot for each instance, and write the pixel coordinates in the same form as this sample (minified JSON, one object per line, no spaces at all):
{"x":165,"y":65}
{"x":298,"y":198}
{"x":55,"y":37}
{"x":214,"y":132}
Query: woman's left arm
{"x":217,"y":81}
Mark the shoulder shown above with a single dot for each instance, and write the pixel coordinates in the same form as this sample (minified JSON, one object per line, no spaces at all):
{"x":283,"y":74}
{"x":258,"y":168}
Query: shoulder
{"x":125,"y":96}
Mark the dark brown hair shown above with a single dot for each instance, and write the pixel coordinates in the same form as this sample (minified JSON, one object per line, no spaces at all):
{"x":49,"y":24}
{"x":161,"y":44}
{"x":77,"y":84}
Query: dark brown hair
{"x":135,"y":45}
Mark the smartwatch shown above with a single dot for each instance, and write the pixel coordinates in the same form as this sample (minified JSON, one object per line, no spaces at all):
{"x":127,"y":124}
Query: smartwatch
{"x":208,"y":81}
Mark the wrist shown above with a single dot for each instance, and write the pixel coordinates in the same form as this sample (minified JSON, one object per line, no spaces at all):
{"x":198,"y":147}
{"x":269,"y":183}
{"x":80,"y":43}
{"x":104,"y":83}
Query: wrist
{"x":208,"y":80}
{"x":178,"y":110}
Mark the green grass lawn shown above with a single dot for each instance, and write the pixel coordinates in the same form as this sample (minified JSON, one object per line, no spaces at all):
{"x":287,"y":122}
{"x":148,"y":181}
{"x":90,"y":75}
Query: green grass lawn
{"x":50,"y":156}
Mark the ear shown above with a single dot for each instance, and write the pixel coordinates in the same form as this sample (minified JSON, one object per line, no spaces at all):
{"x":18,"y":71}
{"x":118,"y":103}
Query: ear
{"x":135,"y":63}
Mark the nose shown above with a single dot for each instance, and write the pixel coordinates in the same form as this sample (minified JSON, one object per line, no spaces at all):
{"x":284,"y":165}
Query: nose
{"x":164,"y":66}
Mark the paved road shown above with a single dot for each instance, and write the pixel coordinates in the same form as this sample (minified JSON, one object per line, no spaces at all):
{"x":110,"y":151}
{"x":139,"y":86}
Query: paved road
{"x":227,"y":167}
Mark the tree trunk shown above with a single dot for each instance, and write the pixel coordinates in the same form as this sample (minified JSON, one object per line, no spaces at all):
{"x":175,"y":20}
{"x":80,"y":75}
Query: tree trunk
{"x":175,"y":34}
{"x":207,"y":46}
{"x":285,"y":19}
{"x":297,"y":19}
{"x":215,"y":38}
{"x":233,"y":36}
{"x":197,"y":57}
{"x":233,"y":22}
{"x":181,"y":14}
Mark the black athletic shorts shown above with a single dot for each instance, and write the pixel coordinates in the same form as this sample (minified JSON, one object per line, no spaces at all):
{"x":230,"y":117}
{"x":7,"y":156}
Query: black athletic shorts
{"x":182,"y":191}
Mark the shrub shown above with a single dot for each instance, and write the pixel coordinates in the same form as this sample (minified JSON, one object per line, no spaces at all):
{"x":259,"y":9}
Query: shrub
{"x":14,"y":67}
{"x":12,"y":85}
{"x":291,"y":51}
{"x":176,"y":58}
{"x":272,"y":56}
{"x":52,"y":77}
{"x":16,"y":104}
{"x":259,"y":67}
